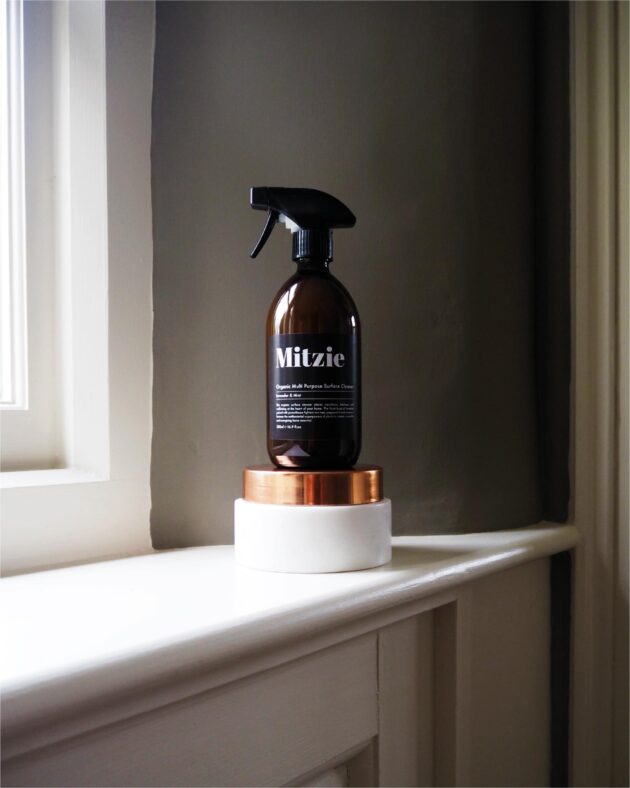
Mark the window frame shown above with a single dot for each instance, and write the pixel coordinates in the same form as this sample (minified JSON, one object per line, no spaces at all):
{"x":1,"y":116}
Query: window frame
{"x":32,"y":435}
{"x":13,"y":377}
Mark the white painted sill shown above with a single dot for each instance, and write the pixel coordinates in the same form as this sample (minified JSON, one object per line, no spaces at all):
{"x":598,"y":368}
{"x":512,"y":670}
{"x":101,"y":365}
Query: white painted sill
{"x":10,"y":480}
{"x":118,"y":632}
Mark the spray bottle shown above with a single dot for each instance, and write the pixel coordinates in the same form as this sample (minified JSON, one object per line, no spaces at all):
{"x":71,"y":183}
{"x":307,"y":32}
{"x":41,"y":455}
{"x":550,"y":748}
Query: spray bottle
{"x":313,"y":339}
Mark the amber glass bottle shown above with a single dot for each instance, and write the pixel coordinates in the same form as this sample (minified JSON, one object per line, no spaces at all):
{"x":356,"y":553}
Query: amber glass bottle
{"x":313,"y":340}
{"x":314,"y":318}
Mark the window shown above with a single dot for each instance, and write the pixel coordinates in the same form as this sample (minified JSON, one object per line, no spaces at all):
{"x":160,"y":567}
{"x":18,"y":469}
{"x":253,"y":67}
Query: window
{"x":13,"y":383}
{"x":77,"y":486}
{"x":30,"y":402}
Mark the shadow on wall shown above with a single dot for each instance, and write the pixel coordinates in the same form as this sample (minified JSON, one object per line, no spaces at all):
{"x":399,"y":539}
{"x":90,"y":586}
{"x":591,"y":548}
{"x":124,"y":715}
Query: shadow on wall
{"x":420,"y":117}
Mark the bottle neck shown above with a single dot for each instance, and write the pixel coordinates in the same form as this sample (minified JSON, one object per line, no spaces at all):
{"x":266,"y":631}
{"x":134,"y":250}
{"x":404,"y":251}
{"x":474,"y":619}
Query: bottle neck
{"x":313,"y":266}
{"x":314,"y":245}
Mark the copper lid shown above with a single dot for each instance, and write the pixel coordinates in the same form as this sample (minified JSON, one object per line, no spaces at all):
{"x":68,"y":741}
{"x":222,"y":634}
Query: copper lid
{"x":266,"y":484}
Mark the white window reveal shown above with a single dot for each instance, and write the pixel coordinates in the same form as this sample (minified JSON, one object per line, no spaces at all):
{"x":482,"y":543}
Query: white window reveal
{"x":76,"y":452}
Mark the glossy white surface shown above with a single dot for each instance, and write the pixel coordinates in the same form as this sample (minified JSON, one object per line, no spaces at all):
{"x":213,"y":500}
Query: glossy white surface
{"x":76,"y":635}
{"x":82,"y":618}
{"x":312,"y":539}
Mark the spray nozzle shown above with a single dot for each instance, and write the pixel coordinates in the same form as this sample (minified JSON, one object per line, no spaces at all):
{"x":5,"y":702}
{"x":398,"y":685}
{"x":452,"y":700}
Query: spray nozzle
{"x":310,"y":214}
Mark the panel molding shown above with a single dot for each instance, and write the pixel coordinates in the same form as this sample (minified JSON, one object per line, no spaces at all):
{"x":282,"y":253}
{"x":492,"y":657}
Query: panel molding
{"x":261,"y":730}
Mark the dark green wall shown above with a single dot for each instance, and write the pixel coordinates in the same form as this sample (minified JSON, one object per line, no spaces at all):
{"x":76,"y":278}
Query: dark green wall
{"x":425,"y":119}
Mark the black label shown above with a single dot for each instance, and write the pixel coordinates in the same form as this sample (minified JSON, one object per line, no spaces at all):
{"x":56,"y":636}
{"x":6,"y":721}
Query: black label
{"x":313,"y":386}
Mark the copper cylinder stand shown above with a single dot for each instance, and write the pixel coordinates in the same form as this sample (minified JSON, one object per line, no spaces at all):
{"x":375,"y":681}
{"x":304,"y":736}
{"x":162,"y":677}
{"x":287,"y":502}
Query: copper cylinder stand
{"x":267,"y":484}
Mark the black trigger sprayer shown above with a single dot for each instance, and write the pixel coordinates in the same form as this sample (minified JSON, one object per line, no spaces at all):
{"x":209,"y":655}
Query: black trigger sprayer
{"x":311,"y":215}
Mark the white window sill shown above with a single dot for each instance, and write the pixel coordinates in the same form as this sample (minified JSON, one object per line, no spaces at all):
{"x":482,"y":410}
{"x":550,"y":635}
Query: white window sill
{"x":9,"y":480}
{"x":124,"y":631}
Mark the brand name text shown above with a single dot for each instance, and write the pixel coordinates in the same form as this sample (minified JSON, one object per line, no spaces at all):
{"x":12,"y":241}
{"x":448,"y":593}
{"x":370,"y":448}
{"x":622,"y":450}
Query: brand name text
{"x":303,"y":357}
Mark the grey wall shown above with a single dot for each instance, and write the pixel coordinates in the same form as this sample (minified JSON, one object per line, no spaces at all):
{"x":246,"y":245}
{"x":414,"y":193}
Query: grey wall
{"x":420,"y":117}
